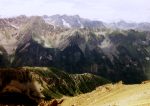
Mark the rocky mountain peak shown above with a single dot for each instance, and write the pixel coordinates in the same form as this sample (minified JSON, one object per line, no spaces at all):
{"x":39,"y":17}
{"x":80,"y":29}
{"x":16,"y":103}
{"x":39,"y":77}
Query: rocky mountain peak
{"x":74,"y":21}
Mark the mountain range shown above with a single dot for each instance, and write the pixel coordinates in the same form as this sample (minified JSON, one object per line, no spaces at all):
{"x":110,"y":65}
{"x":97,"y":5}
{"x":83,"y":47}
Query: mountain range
{"x":116,"y":51}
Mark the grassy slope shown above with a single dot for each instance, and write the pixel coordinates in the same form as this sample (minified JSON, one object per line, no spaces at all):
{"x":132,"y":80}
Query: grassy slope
{"x":60,"y":83}
{"x":47,"y":83}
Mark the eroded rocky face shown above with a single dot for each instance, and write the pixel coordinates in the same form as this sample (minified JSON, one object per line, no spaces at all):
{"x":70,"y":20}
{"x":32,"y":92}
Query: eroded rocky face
{"x":96,"y":48}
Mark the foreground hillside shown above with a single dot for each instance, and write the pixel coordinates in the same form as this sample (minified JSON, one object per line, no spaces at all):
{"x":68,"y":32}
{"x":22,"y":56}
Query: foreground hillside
{"x":113,"y":95}
{"x":30,"y":85}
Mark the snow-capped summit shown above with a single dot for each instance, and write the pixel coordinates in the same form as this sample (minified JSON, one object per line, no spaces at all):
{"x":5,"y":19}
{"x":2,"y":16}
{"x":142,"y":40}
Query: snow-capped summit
{"x":74,"y":21}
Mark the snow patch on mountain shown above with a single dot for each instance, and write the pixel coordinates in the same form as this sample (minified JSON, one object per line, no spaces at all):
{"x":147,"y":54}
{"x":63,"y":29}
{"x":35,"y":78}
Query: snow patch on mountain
{"x":81,"y":25}
{"x":66,"y":24}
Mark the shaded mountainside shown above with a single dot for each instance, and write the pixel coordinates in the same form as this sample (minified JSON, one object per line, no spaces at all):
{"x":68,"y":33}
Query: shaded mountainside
{"x":117,"y":56}
{"x":32,"y":84}
{"x":112,"y":54}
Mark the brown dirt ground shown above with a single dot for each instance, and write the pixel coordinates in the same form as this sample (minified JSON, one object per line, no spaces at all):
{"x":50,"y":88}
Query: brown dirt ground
{"x":113,"y":95}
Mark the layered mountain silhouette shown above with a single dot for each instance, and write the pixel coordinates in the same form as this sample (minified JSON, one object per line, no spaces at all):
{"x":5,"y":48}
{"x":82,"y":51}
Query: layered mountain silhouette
{"x":116,"y":51}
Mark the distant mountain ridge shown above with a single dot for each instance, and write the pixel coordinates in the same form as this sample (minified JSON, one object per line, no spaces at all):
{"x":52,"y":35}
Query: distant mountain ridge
{"x":75,"y":21}
{"x":143,"y":26}
{"x":72,"y":21}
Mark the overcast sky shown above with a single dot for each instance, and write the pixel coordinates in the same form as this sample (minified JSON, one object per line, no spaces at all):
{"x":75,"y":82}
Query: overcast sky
{"x":105,"y":10}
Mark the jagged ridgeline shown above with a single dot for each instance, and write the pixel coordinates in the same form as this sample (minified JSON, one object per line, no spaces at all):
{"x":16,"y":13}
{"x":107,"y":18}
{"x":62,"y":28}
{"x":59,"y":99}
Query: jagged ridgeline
{"x":77,"y":45}
{"x":33,"y":84}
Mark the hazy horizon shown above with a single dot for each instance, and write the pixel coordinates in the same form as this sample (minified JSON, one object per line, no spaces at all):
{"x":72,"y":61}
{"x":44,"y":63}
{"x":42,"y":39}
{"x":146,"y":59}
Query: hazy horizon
{"x":103,"y":10}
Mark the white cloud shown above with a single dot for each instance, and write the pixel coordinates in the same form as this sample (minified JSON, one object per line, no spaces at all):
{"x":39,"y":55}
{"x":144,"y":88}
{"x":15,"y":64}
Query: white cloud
{"x":105,"y":10}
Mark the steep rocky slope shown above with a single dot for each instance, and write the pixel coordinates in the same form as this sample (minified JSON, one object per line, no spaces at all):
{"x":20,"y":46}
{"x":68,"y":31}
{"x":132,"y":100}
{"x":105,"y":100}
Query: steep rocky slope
{"x":30,"y":85}
{"x":116,"y":56}
{"x":77,"y":46}
{"x":113,"y":54}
